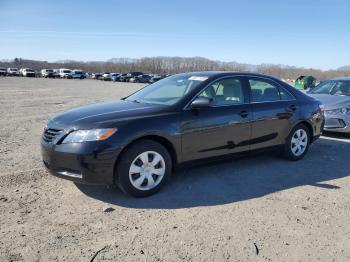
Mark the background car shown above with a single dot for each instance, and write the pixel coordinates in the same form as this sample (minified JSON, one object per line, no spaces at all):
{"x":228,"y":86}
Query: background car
{"x":56,"y":73}
{"x":65,"y":73}
{"x":105,"y":75}
{"x":109,"y":76}
{"x":27,"y":72}
{"x":156,"y":78}
{"x":140,"y":79}
{"x":130,"y":75}
{"x":305,"y":82}
{"x":96,"y":76}
{"x":115,"y":76}
{"x":12,"y":71}
{"x":78,"y":74}
{"x":119,"y":78}
{"x":335,"y":96}
{"x":3,"y":72}
{"x":47,"y":73}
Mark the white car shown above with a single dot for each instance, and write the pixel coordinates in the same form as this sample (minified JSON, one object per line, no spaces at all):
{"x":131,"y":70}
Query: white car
{"x":78,"y":74}
{"x":12,"y":72}
{"x":65,"y":73}
{"x":109,"y":76}
{"x":47,"y":73}
{"x":27,"y":72}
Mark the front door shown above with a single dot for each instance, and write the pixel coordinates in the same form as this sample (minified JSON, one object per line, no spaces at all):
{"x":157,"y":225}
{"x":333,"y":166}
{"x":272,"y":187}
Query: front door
{"x":224,"y":127}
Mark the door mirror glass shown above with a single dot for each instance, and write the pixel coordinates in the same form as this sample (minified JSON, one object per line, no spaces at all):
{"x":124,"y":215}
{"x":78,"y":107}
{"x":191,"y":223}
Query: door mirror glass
{"x":201,"y":102}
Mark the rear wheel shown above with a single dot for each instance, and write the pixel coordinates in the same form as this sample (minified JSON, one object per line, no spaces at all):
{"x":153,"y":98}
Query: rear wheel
{"x":297,"y":143}
{"x":144,"y":168}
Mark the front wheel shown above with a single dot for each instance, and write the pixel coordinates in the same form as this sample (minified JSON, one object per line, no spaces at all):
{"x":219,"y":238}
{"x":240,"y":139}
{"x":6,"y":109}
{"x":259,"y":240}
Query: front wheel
{"x":297,"y":143}
{"x":144,"y":168}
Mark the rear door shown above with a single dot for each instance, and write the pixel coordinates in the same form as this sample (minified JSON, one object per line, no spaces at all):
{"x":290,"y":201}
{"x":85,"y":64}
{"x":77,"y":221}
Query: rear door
{"x":274,"y":112}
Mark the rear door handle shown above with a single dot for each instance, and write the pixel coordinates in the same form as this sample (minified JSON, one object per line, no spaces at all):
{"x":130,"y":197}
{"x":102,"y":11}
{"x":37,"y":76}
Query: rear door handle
{"x":244,"y":114}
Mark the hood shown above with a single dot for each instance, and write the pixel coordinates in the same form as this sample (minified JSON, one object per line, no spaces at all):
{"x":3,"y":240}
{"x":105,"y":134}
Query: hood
{"x":332,"y":101}
{"x":103,"y":114}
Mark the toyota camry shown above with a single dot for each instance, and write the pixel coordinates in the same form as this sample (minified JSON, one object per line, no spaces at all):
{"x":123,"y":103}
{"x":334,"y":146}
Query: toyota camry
{"x":137,"y":142}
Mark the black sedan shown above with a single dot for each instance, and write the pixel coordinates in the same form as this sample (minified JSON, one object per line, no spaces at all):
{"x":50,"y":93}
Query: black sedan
{"x":137,"y":142}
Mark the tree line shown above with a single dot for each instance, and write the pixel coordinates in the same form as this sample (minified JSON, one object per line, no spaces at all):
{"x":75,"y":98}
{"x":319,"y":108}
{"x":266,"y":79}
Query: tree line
{"x":172,"y":65}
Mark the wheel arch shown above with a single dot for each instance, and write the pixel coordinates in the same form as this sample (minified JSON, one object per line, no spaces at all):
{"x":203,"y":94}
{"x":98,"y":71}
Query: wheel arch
{"x":157,"y":138}
{"x":309,"y":127}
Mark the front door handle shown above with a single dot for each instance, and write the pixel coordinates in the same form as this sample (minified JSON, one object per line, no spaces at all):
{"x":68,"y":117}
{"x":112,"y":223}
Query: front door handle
{"x":244,"y":114}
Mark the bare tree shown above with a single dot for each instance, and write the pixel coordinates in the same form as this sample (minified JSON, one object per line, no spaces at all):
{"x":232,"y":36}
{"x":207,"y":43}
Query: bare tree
{"x":172,"y":65}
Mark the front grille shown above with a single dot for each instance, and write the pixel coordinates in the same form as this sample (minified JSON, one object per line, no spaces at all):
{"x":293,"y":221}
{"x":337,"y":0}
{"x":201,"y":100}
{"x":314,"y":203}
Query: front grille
{"x":334,"y":123}
{"x":50,"y":134}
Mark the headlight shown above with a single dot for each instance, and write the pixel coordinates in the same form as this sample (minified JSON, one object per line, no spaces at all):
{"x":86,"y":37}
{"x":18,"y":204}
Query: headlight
{"x":339,"y":111}
{"x":80,"y":136}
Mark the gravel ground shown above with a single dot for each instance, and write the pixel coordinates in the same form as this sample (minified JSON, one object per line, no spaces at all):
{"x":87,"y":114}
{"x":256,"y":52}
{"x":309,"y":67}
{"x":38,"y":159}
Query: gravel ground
{"x":258,"y":208}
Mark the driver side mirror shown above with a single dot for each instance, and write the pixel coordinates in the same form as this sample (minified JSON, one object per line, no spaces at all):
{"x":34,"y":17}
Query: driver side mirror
{"x":201,"y":102}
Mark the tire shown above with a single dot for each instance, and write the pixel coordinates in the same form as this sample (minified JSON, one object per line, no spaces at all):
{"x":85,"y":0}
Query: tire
{"x":297,"y":143}
{"x":134,"y":169}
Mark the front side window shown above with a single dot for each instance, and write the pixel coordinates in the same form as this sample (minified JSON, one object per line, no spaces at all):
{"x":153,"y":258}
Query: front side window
{"x":264,"y":91}
{"x":224,"y":92}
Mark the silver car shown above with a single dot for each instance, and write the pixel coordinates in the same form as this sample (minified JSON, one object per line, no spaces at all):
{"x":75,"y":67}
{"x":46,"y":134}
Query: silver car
{"x":335,"y":96}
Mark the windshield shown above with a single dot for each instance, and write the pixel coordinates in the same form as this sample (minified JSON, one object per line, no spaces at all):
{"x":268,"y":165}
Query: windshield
{"x":167,"y":91}
{"x":66,"y":71}
{"x":333,"y":87}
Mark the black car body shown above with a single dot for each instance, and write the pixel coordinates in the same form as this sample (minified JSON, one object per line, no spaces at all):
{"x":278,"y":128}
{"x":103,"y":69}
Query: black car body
{"x":194,"y":127}
{"x":97,"y":76}
{"x":141,"y":79}
{"x":127,"y":77}
{"x":3,"y":72}
{"x":156,"y":78}
{"x":119,"y":78}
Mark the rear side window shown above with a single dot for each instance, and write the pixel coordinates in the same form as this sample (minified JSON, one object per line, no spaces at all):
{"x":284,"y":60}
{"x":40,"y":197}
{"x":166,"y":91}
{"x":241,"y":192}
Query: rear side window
{"x":263,"y":91}
{"x":285,"y":95}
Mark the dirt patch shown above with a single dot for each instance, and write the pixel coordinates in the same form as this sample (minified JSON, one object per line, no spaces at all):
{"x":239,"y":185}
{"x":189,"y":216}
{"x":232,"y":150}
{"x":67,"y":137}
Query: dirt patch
{"x":259,"y":208}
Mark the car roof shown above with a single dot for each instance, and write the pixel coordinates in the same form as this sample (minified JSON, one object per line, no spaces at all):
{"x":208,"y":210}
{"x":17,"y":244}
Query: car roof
{"x":215,"y":74}
{"x":341,"y":78}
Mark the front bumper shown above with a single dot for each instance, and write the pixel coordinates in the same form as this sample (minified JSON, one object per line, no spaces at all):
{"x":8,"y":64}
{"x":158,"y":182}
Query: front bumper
{"x":89,"y":163}
{"x":337,"y":123}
